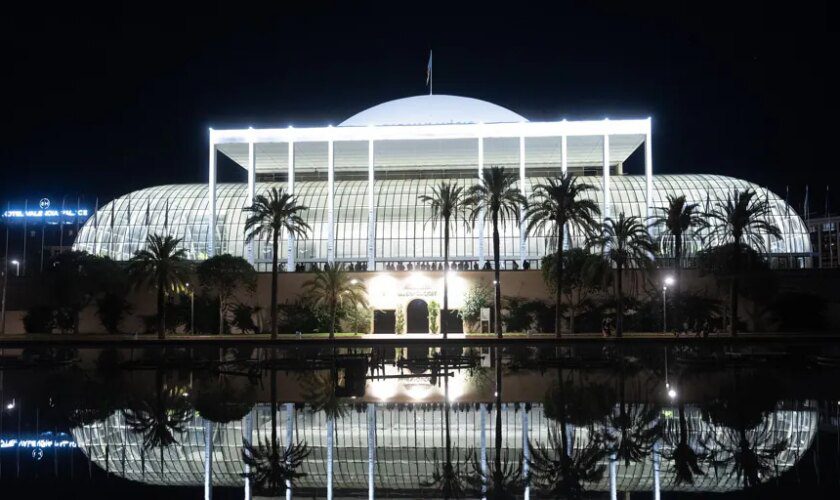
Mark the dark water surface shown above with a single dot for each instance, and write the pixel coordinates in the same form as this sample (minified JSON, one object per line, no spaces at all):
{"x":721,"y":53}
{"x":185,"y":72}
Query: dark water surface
{"x":532,"y":421}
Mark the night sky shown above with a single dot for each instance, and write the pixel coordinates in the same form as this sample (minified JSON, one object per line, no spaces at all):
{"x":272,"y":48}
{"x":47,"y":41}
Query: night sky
{"x":102,"y":100}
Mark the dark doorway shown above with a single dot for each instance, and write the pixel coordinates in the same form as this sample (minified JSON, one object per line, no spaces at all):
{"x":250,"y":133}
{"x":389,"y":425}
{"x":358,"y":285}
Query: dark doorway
{"x":417,"y":317}
{"x":452,"y":321}
{"x":384,"y":321}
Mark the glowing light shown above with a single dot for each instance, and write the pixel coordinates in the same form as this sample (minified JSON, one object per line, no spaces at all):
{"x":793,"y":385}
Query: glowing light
{"x":354,"y":281}
{"x":11,"y":405}
{"x":672,"y":393}
{"x":383,"y":389}
{"x":669,"y":280}
{"x":418,"y":392}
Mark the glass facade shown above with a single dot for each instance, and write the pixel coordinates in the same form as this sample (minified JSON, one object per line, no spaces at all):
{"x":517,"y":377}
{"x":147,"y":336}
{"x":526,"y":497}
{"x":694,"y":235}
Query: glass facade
{"x":403,"y":230}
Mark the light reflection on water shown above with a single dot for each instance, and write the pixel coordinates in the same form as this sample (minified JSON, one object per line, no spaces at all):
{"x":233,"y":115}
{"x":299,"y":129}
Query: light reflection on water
{"x":463,"y":422}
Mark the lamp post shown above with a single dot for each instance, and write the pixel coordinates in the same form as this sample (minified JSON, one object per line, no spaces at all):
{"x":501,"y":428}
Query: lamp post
{"x":16,"y":263}
{"x":668,"y":281}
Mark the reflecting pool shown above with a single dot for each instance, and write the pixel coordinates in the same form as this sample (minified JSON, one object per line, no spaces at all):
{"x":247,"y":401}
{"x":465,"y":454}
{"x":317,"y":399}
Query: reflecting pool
{"x":590,"y":420}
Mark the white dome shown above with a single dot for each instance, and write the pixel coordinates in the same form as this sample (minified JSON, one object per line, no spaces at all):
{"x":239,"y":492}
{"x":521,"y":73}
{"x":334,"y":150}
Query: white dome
{"x":432,"y":110}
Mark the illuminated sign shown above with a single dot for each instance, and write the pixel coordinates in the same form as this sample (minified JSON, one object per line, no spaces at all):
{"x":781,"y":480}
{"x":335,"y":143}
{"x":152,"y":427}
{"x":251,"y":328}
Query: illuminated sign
{"x":44,"y":213}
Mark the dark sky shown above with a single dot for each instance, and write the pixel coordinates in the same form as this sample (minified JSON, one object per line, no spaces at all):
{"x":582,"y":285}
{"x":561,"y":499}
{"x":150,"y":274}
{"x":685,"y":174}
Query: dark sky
{"x":102,"y":100}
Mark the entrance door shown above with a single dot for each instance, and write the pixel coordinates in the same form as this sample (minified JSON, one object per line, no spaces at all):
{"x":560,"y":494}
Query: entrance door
{"x":384,"y":321}
{"x":417,"y":317}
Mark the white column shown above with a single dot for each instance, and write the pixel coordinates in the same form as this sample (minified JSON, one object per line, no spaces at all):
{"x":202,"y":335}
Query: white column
{"x":290,"y":436}
{"x":211,"y":203}
{"x":208,"y":460}
{"x":252,"y":190}
{"x":481,"y":217}
{"x":523,"y":243}
{"x":656,"y":462}
{"x":564,"y":154}
{"x":371,"y":245}
{"x":290,"y":240}
{"x":648,"y":171}
{"x":248,"y":436}
{"x":330,"y":438}
{"x":605,"y":181}
{"x":371,"y":425}
{"x":526,"y":452}
{"x":613,"y":479}
{"x":483,"y":414}
{"x":330,"y":203}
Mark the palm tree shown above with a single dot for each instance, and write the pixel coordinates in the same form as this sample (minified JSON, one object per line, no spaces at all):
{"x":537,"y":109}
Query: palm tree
{"x":741,"y":220}
{"x":495,"y":197}
{"x":624,"y":241}
{"x":163,"y":264}
{"x":562,"y":471}
{"x":333,"y":289}
{"x":268,"y":217}
{"x":679,"y":219}
{"x":446,"y":201}
{"x":555,"y":204}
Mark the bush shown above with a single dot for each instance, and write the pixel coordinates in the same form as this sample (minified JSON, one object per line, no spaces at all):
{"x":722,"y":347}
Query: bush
{"x":299,"y":317}
{"x":356,"y":320}
{"x":799,"y":311}
{"x":243,"y":318}
{"x":434,"y":312}
{"x":523,"y":315}
{"x":111,"y":309}
{"x":39,"y":319}
{"x":477,"y":297}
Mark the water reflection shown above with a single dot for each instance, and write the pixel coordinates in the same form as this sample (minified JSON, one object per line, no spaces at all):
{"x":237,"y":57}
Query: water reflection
{"x":453,"y":423}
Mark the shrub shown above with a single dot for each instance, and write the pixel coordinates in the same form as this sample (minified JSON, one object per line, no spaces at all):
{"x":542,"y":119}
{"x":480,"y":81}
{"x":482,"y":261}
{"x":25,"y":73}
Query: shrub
{"x":243,"y":318}
{"x":111,"y":309}
{"x":477,"y":297}
{"x":356,"y":320}
{"x":434,"y":312}
{"x":39,"y":319}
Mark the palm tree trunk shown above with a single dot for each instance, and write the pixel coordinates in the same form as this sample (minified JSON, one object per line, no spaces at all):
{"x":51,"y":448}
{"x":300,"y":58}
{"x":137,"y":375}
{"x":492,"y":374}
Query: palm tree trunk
{"x":275,"y":248}
{"x":221,"y":315}
{"x":497,"y":284}
{"x":161,"y":298}
{"x":443,"y":320}
{"x":733,"y":290}
{"x":619,"y":306}
{"x":558,"y":274}
{"x":446,"y":409}
{"x":678,"y":244}
{"x":333,"y":313}
{"x":497,"y":459}
{"x":273,"y":389}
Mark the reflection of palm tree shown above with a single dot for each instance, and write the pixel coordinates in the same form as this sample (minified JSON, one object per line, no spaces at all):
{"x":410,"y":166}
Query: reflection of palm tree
{"x":561,"y":470}
{"x":450,"y":479}
{"x":160,"y":419}
{"x":686,"y":459}
{"x":504,"y":479}
{"x":273,"y":471}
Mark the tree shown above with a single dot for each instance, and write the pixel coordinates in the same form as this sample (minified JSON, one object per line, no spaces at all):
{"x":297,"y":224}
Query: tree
{"x":496,"y":198}
{"x":556,"y":204}
{"x":222,"y":275}
{"x":625,"y":242}
{"x":333,"y":289}
{"x":584,"y":274}
{"x":76,"y":279}
{"x":742,"y":220}
{"x":165,"y":266}
{"x":446,"y":201}
{"x":269,"y":216}
{"x":111,"y":308}
{"x":686,"y":459}
{"x":679,"y":219}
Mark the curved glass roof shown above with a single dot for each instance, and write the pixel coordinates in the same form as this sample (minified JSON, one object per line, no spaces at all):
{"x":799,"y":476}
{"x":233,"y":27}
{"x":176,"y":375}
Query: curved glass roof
{"x":432,"y":110}
{"x":402,"y":233}
{"x":410,"y":438}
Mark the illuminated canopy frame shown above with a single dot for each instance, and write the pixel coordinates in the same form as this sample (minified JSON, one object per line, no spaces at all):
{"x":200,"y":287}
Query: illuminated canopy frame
{"x":387,"y":137}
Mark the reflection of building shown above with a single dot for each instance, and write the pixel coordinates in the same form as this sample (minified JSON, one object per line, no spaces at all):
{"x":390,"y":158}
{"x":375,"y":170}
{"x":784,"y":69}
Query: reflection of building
{"x":407,"y":443}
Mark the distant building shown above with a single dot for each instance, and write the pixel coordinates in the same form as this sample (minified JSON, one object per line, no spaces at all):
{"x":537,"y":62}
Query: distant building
{"x":825,"y":240}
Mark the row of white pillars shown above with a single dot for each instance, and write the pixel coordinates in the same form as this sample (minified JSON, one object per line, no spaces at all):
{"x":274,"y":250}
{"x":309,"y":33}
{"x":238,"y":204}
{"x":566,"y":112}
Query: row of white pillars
{"x":605,"y":193}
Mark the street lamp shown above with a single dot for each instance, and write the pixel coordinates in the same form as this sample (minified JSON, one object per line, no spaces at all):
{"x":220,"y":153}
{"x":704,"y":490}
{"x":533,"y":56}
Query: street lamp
{"x":16,"y":263}
{"x":668,"y":281}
